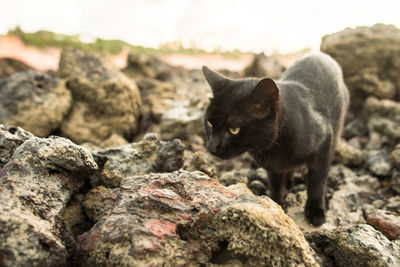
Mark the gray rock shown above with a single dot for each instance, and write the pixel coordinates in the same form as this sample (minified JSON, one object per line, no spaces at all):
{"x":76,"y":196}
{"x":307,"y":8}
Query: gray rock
{"x":383,"y":108}
{"x":234,"y":177}
{"x":349,"y":155}
{"x":36,"y":184}
{"x":395,"y":157}
{"x":386,"y":130}
{"x":395,"y":181}
{"x":345,"y":206}
{"x":359,"y":245}
{"x":188,"y":219}
{"x":378,"y":163}
{"x":106,"y":102}
{"x":263,"y":66}
{"x":148,"y":155}
{"x":34,"y":101}
{"x":10,"y":138}
{"x":393,"y":204}
{"x":257,"y":187}
{"x":370,"y":59}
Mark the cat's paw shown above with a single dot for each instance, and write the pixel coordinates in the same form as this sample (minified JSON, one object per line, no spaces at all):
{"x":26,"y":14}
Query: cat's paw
{"x":314,"y":214}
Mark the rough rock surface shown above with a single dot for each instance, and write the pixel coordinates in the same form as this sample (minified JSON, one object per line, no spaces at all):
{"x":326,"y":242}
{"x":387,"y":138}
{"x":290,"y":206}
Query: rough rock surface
{"x":9,"y":66}
{"x":36,"y":183}
{"x":359,"y":245}
{"x":385,"y":221}
{"x":348,"y":155}
{"x":10,"y":138}
{"x":148,"y":155}
{"x":34,"y":101}
{"x":370,"y":58}
{"x":188,"y":219}
{"x":106,"y":101}
{"x":263,"y":66}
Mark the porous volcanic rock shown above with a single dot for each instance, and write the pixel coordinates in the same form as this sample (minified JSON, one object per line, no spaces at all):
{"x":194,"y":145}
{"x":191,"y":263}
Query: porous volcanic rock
{"x":34,"y":101}
{"x":264,"y":66}
{"x":148,"y":155}
{"x":359,"y":245}
{"x":36,"y":183}
{"x":188,"y":219}
{"x":370,"y":59}
{"x":106,"y":101}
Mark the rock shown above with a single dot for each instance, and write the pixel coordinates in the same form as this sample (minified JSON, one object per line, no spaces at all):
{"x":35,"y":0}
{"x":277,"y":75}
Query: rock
{"x":142,"y":66}
{"x":263,"y":66}
{"x":9,"y":66}
{"x":386,"y":130}
{"x":384,"y":108}
{"x":359,"y":245}
{"x":198,"y":162}
{"x":10,"y":138}
{"x":139,"y":66}
{"x":187,"y":219}
{"x":378,"y":163}
{"x":34,"y":101}
{"x":355,"y":128}
{"x":345,"y":205}
{"x":395,"y":181}
{"x":385,"y":221}
{"x":370,"y":59}
{"x":393,"y":204}
{"x":148,"y":155}
{"x":257,"y":187}
{"x":75,"y":218}
{"x":157,"y":97}
{"x":395,"y":157}
{"x":98,"y":201}
{"x":234,"y":177}
{"x":183,"y":125}
{"x":36,"y":184}
{"x":349,"y":155}
{"x":106,"y":102}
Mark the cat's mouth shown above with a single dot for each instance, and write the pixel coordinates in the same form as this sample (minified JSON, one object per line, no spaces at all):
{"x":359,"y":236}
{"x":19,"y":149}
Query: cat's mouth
{"x":227,"y":154}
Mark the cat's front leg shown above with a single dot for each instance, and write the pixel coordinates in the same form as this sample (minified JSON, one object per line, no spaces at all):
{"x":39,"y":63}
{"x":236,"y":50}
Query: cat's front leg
{"x":277,"y":185}
{"x":316,"y":204}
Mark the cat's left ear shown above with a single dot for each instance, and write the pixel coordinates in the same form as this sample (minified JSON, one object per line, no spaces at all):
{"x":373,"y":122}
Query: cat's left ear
{"x":214,"y":79}
{"x":263,"y":100}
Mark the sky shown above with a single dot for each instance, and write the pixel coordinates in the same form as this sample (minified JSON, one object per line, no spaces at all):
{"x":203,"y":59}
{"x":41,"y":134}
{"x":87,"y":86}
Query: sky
{"x":281,"y":26}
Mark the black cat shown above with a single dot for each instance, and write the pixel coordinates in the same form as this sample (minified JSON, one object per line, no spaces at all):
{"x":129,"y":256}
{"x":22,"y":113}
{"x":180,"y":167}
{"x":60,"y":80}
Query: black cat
{"x":295,"y":121}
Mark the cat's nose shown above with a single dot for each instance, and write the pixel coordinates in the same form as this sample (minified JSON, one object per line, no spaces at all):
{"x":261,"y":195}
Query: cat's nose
{"x":214,"y":145}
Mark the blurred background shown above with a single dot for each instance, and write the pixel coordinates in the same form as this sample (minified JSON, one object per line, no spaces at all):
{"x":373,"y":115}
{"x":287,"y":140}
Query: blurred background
{"x":190,"y":27}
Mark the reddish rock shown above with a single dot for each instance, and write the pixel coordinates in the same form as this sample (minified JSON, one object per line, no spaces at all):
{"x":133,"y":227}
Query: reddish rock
{"x":188,"y":219}
{"x":385,"y":221}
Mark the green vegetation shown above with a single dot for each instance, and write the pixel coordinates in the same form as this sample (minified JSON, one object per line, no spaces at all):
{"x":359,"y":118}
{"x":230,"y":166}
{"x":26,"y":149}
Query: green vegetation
{"x":43,"y":39}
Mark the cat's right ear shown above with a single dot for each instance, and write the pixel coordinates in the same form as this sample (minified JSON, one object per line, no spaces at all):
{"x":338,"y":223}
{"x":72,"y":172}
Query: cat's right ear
{"x":214,"y":79}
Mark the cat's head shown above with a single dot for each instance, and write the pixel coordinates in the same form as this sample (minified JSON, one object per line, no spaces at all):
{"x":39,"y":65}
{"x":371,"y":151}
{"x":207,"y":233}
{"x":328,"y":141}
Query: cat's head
{"x":242,"y":114}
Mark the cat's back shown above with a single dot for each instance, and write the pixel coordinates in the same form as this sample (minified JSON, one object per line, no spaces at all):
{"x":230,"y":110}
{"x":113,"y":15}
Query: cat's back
{"x":316,"y":71}
{"x":320,"y":75}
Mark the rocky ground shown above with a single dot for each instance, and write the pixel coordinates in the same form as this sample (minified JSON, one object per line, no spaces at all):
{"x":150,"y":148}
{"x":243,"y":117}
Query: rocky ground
{"x":106,"y":167}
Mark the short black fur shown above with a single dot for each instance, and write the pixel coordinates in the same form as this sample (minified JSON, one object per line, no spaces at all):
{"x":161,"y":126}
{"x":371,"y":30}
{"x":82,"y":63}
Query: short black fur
{"x":295,"y":121}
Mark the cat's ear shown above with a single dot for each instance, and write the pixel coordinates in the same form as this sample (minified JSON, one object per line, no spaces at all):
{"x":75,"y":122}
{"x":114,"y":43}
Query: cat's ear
{"x":214,"y":79}
{"x":263,"y":100}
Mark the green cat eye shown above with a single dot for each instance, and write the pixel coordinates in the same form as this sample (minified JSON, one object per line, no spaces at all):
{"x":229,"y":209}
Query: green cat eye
{"x":209,"y":124}
{"x":234,"y":130}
